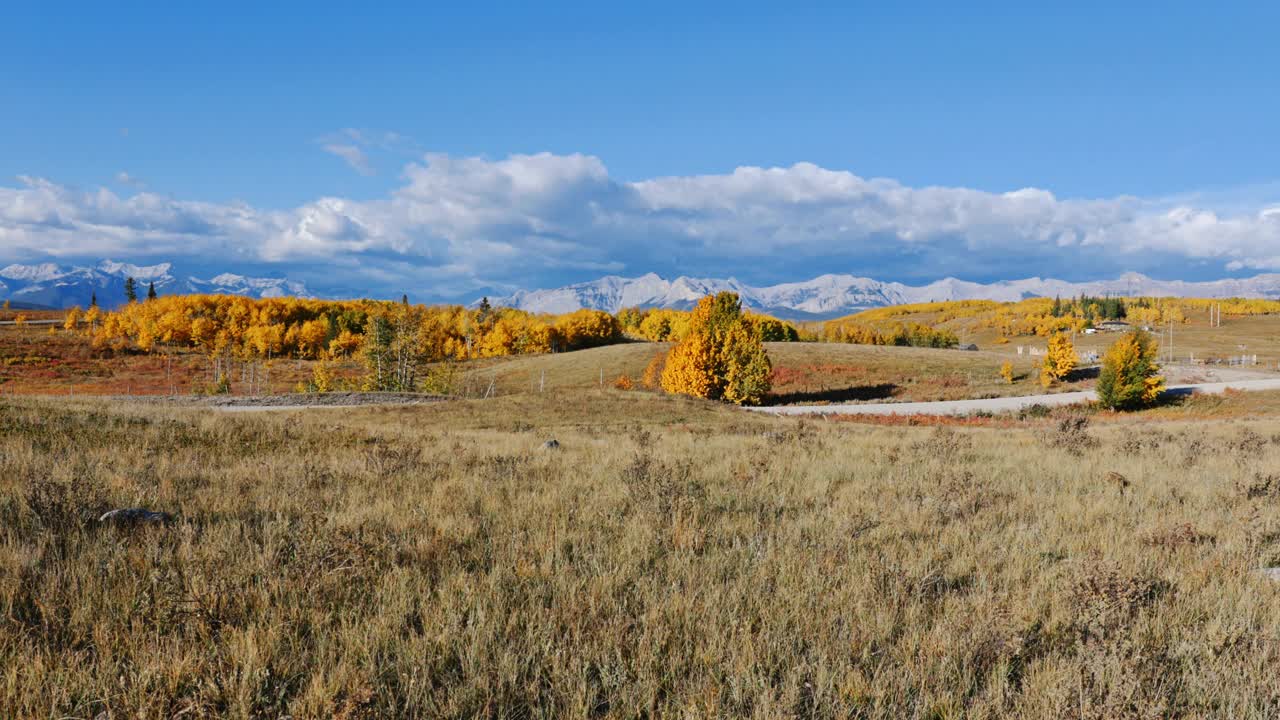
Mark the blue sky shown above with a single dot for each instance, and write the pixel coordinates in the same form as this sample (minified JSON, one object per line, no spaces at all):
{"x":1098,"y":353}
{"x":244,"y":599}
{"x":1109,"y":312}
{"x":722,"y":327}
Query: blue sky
{"x":452,"y":150}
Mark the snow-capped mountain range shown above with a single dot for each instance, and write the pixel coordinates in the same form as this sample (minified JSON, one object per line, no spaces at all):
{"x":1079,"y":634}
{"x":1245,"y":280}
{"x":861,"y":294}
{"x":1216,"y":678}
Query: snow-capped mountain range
{"x":50,"y":285}
{"x":830,"y":296}
{"x":826,"y":296}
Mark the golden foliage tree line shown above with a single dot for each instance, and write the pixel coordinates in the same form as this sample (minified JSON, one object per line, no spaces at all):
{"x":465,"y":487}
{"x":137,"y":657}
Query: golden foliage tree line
{"x":669,"y":325}
{"x":274,"y":327}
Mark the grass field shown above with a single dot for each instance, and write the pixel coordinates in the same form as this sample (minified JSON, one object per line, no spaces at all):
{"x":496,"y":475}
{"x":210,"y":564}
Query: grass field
{"x":803,"y":372}
{"x":35,"y":361}
{"x":1257,"y":334}
{"x":672,"y":558}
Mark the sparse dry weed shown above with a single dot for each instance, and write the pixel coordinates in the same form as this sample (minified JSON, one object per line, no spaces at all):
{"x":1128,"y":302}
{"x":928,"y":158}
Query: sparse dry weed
{"x":671,"y":559}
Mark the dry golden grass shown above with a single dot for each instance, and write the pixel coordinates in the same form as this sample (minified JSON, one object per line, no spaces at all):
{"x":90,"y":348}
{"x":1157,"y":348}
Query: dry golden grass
{"x":672,"y":558}
{"x":1256,"y":334}
{"x":804,"y":373}
{"x":33,"y":361}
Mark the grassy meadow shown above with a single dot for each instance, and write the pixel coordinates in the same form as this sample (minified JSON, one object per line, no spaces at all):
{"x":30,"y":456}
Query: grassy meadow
{"x":35,"y":361}
{"x":672,"y":558}
{"x":804,"y":373}
{"x":1196,"y":338}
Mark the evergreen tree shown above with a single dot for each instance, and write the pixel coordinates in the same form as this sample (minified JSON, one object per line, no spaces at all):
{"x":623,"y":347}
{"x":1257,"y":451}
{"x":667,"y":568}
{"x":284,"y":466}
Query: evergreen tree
{"x":93,"y":299}
{"x":131,"y":289}
{"x":404,"y":299}
{"x":151,"y":291}
{"x":482,"y":312}
{"x":1057,"y":306}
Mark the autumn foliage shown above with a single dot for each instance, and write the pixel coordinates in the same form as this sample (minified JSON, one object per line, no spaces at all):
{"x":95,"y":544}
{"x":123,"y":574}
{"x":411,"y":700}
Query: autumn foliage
{"x":721,"y":357}
{"x":1130,"y":378}
{"x":260,"y":328}
{"x":910,"y":334}
{"x":664,"y":324}
{"x":1059,"y":360}
{"x":1006,"y":372}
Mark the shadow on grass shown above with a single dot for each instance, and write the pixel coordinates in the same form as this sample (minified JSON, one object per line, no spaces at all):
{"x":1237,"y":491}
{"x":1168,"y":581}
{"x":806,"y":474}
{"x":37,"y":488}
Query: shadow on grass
{"x":836,"y":395}
{"x":1088,"y":373}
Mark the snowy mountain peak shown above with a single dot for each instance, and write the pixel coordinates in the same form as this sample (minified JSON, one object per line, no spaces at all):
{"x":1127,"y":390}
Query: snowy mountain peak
{"x":48,"y":284}
{"x":31,"y":273}
{"x":137,"y":272}
{"x":834,"y":295}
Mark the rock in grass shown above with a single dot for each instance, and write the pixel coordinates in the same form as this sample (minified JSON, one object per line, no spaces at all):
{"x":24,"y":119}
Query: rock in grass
{"x":551,"y":444}
{"x":1271,"y":573}
{"x":134,"y":516}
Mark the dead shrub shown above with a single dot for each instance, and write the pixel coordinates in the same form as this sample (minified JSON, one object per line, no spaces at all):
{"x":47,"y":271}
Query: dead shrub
{"x":1149,"y":441}
{"x":1119,"y":481}
{"x":61,"y":506}
{"x":388,"y":460}
{"x":1071,"y":434}
{"x":1104,"y":599}
{"x":802,"y":432}
{"x":1262,"y":486}
{"x":1177,"y":536}
{"x":1248,"y":444}
{"x":496,"y":468}
{"x":961,"y":495}
{"x":899,"y":586}
{"x":1192,"y":450}
{"x":661,"y":488}
{"x":944,"y":444}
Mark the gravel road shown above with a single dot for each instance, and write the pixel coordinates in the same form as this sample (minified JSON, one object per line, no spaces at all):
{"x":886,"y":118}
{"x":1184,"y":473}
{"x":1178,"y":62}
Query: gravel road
{"x":1004,"y":404}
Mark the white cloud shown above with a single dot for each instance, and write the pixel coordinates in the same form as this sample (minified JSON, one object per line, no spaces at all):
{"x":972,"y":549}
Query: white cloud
{"x":354,"y":146}
{"x":462,"y":222}
{"x":124,"y":178}
{"x":353,"y":155}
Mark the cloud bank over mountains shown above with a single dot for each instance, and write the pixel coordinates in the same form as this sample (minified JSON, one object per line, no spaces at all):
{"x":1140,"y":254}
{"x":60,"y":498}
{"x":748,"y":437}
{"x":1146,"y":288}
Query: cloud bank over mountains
{"x":454,"y":226}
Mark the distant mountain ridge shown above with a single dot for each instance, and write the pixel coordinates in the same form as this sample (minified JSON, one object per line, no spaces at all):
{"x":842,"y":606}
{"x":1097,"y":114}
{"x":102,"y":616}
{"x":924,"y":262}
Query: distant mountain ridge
{"x":51,"y":285}
{"x":826,"y":296}
{"x":829,"y":296}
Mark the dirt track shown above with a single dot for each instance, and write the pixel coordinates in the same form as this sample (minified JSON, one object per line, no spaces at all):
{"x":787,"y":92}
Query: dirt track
{"x":292,"y":401}
{"x":1003,"y":404}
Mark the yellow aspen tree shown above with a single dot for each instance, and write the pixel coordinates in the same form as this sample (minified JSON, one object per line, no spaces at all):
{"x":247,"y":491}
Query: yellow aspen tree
{"x":1059,"y":360}
{"x":690,"y":367}
{"x":747,"y":368}
{"x":721,"y":357}
{"x":1006,"y":372}
{"x":73,"y":318}
{"x":1130,"y":377}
